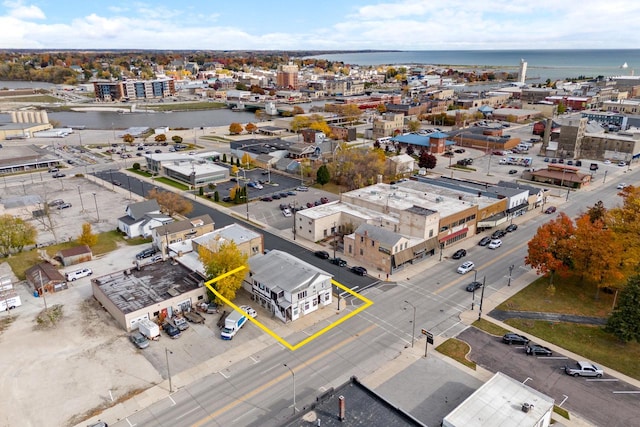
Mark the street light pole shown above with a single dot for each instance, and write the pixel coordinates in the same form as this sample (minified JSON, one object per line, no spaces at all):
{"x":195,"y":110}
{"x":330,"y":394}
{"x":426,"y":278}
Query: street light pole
{"x":96,"y":202}
{"x":510,"y":271}
{"x":484,"y":281}
{"x":246,"y":196}
{"x":166,"y":353}
{"x":81,"y":203}
{"x":413,"y":332}
{"x":293,"y":376}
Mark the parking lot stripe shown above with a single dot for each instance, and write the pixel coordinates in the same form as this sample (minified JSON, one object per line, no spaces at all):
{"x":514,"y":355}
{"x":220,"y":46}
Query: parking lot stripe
{"x":603,"y":380}
{"x":626,"y":392}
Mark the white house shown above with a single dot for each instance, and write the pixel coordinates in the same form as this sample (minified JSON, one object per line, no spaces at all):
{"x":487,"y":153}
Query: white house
{"x":141,"y":217}
{"x":287,"y":286}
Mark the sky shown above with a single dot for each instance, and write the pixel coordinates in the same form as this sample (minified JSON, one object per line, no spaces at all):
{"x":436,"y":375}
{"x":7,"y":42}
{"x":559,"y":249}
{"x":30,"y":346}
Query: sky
{"x":320,"y":24}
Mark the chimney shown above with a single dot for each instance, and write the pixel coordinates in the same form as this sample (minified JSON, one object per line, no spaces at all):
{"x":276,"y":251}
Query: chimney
{"x":341,"y":408}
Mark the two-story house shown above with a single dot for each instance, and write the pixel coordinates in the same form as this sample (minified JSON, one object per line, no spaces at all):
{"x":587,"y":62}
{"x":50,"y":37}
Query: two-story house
{"x":141,"y":217}
{"x":287,"y":286}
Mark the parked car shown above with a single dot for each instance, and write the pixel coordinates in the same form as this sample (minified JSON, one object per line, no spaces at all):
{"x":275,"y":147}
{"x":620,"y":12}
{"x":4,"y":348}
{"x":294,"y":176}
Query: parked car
{"x":495,"y":244}
{"x":302,"y":188}
{"x":146,"y":253}
{"x":511,"y":338}
{"x":291,"y":193}
{"x":537,"y":350}
{"x":513,"y":171}
{"x":511,"y":227}
{"x":283,"y":206}
{"x":266,"y":199}
{"x":473,"y":286}
{"x":459,"y":150}
{"x":116,"y":183}
{"x":361,"y":271}
{"x":322,"y":254}
{"x":64,"y":205}
{"x":58,"y":175}
{"x":139,"y":340}
{"x":459,"y":254}
{"x":338,"y":261}
{"x":286,"y":212}
{"x":56,"y":202}
{"x":550,"y":210}
{"x":79,"y":274}
{"x":171,"y":330}
{"x":546,"y":159}
{"x":53,"y":170}
{"x":484,"y":241}
{"x":466,"y":267}
{"x":227,"y":199}
{"x":310,"y":205}
{"x":621,"y":186}
{"x":276,"y":197}
{"x":584,"y":369}
{"x":249,"y":310}
{"x":448,"y":154}
{"x":498,"y":234}
{"x":283,"y":195}
{"x":324,"y":200}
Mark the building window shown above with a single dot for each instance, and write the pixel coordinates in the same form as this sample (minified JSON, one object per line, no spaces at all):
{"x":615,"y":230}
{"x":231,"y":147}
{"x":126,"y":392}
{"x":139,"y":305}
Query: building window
{"x":361,"y":251}
{"x":431,"y":233}
{"x":373,"y":243}
{"x":302,"y":295}
{"x":361,"y":239}
{"x":350,"y":249}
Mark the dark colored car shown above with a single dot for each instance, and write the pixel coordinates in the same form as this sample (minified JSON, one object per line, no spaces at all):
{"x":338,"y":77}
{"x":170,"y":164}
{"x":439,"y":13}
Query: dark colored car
{"x":276,"y":197}
{"x":361,"y":271}
{"x":266,"y":199}
{"x":227,"y":199}
{"x":310,"y":205}
{"x":537,"y":350}
{"x":513,"y":172}
{"x":459,"y":150}
{"x":283,"y":195}
{"x":498,"y":234}
{"x":459,"y":254}
{"x":511,"y":227}
{"x":171,"y":330}
{"x":550,"y":210}
{"x":338,"y":261}
{"x":473,"y":286}
{"x":448,"y":154}
{"x":322,"y":254}
{"x":324,"y":200}
{"x":58,"y":175}
{"x":484,"y":241}
{"x":512,"y":338}
{"x":146,"y":253}
{"x":116,"y":183}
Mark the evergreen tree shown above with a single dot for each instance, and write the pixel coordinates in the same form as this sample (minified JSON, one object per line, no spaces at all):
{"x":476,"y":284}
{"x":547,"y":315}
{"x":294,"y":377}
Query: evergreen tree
{"x":323,"y":176}
{"x":624,"y":323}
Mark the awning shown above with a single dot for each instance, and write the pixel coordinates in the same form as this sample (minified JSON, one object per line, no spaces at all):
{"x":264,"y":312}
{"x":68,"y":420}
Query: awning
{"x":518,"y":208}
{"x":454,"y":234}
{"x":403,"y":256}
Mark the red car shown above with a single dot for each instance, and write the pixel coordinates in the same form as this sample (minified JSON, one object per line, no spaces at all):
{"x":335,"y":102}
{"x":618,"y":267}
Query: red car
{"x":550,"y":210}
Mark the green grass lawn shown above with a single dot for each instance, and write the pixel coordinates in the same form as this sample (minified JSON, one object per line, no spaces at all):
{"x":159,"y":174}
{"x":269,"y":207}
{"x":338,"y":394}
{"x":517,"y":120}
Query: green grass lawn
{"x":489,"y":327}
{"x":171,"y":182}
{"x":571,"y":296}
{"x":107,"y":242}
{"x":592,"y":342}
{"x":457,"y":350}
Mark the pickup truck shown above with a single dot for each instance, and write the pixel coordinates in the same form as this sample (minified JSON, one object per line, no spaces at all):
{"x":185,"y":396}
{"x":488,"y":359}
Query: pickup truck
{"x":584,"y":369}
{"x":180,"y":323}
{"x":193,"y":317}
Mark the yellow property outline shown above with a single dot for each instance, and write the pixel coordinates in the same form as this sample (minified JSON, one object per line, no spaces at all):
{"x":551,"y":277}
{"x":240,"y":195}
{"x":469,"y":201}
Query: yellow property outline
{"x":367,"y":304}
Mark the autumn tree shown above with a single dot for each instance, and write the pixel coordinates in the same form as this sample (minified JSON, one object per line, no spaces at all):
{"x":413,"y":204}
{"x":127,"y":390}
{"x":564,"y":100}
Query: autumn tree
{"x":321,"y":126}
{"x":128,"y":138}
{"x":600,"y":263}
{"x":624,"y":323}
{"x":235,"y":128}
{"x":87,"y":237}
{"x":177,"y":139}
{"x":246,"y":159}
{"x":549,"y":249}
{"x":297,"y":110}
{"x":161,"y":137}
{"x":15,"y":234}
{"x":427,"y":160}
{"x":381,"y":108}
{"x":414,"y":125}
{"x":171,"y":203}
{"x":323,"y":176}
{"x":251,"y":128}
{"x":260,"y":115}
{"x":300,"y":122}
{"x":220,"y":258}
{"x":351,"y":112}
{"x":624,"y":220}
{"x":356,"y":167}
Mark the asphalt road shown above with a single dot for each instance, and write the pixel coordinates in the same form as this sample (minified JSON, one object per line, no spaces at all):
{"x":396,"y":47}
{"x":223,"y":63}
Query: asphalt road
{"x":604,"y":402}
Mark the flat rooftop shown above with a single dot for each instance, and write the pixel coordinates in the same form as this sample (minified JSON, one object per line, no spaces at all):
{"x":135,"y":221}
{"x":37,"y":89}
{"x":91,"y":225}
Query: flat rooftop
{"x":406,"y":195}
{"x":131,"y":290}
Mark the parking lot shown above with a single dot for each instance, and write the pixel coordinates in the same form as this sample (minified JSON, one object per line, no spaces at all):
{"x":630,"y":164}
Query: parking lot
{"x":604,"y":402}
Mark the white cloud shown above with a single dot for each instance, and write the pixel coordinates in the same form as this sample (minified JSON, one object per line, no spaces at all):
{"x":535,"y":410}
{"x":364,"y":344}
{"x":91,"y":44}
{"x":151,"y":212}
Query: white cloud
{"x":16,"y":9}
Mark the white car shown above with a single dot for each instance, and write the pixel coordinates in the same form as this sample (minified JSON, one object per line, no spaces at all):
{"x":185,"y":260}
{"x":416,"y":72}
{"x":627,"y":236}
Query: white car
{"x":495,"y":244}
{"x":466,"y":267}
{"x":286,"y":212}
{"x":250,"y":311}
{"x":79,"y":274}
{"x":621,"y":186}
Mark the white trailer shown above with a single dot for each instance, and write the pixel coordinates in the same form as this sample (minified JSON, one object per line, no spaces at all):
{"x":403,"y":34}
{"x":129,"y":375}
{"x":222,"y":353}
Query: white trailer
{"x":149,"y":329}
{"x":9,"y":299}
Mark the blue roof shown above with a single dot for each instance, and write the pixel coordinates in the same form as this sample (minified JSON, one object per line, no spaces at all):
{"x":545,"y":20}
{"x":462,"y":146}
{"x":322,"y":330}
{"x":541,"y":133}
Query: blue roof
{"x":421,"y":140}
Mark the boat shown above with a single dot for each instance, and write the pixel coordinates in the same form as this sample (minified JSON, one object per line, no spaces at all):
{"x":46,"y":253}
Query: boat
{"x":625,"y":65}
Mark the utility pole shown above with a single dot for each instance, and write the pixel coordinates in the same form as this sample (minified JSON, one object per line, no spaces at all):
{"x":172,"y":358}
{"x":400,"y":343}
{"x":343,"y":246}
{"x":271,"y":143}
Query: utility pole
{"x":510,"y":271}
{"x":166,"y":353}
{"x":484,"y":281}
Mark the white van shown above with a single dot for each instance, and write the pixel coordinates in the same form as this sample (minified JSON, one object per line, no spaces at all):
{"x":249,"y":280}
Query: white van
{"x":79,"y":274}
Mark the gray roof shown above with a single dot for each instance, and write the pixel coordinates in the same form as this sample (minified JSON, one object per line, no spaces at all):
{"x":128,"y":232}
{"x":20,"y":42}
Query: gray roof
{"x":184,"y":225}
{"x":138,"y":210}
{"x":487,"y":190}
{"x":279,"y":269}
{"x":363,"y":407}
{"x":379,"y":234}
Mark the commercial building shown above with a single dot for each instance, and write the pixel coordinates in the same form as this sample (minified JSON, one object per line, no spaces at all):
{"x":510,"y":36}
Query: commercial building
{"x":287,"y":76}
{"x":196,"y":170}
{"x":502,"y":401}
{"x":134,"y":89}
{"x":27,"y":158}
{"x":389,"y":125}
{"x":150,"y":291}
{"x":180,"y":231}
{"x":287,"y":286}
